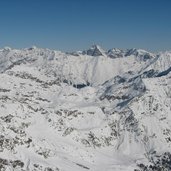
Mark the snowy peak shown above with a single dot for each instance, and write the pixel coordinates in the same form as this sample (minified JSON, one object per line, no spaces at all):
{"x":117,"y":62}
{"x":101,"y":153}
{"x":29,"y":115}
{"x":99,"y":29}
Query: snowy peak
{"x":6,"y":48}
{"x":95,"y":50}
{"x":140,"y":54}
{"x":115,"y":53}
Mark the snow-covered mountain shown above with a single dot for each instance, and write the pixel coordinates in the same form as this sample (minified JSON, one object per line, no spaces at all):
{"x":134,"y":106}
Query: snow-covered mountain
{"x":91,"y":110}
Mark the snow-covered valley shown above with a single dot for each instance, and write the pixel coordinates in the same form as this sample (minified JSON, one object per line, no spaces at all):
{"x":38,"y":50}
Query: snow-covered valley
{"x":91,"y":110}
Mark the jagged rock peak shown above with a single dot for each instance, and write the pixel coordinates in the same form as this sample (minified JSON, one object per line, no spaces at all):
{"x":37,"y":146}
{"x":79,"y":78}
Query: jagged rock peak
{"x":136,"y":52}
{"x":115,"y":53}
{"x":95,"y":50}
{"x":140,"y":54}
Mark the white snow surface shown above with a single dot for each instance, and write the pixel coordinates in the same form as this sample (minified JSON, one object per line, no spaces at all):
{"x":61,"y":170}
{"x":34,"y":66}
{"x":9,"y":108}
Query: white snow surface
{"x":77,"y":112}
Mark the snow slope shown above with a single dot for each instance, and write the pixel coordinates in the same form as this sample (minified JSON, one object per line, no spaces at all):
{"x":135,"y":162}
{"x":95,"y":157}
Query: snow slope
{"x":89,"y":110}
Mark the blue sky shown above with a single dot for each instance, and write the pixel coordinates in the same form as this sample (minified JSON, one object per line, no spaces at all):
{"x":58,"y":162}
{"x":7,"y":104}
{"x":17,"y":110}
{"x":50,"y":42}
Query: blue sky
{"x":70,"y":25}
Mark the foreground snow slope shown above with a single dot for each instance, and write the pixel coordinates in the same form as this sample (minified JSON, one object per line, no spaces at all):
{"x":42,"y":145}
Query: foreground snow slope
{"x":89,"y":110}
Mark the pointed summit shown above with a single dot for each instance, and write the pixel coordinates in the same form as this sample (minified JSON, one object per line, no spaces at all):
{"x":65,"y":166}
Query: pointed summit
{"x":95,"y":50}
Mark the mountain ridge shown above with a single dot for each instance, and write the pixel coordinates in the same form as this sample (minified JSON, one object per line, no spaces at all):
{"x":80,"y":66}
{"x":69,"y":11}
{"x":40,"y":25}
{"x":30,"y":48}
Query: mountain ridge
{"x":86,"y":111}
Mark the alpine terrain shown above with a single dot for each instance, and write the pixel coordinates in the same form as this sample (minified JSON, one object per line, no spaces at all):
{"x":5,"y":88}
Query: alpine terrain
{"x":91,"y":110}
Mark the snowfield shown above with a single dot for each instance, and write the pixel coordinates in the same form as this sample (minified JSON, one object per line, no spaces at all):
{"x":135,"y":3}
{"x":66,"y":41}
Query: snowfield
{"x":90,"y":110}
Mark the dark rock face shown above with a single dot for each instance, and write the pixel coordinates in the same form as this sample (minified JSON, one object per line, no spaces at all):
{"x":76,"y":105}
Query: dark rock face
{"x":94,"y":51}
{"x":4,"y":163}
{"x":164,"y":72}
{"x":160,"y":163}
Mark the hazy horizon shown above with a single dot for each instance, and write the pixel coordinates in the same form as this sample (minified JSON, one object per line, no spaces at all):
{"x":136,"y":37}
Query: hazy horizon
{"x":76,"y":25}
